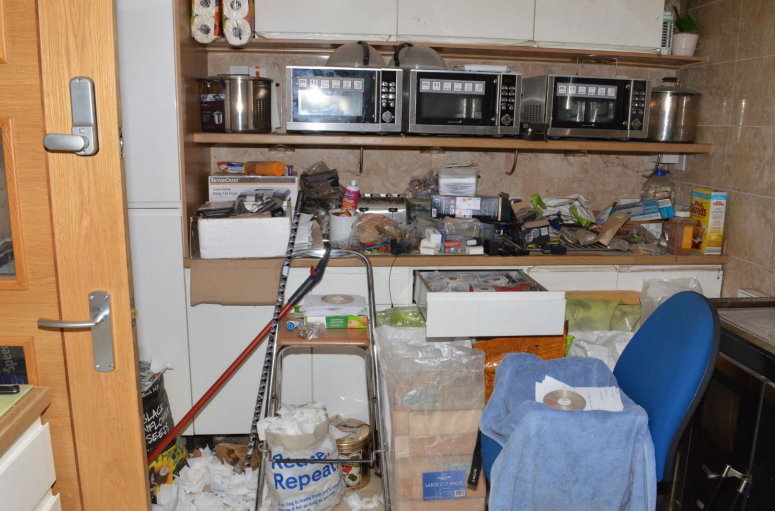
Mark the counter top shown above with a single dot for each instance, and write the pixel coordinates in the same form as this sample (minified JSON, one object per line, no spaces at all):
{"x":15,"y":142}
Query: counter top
{"x":21,"y":415}
{"x":603,"y":259}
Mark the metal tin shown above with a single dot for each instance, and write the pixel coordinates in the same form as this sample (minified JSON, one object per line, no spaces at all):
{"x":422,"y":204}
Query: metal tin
{"x":236,"y":104}
{"x":354,"y":446}
{"x":673,"y":112}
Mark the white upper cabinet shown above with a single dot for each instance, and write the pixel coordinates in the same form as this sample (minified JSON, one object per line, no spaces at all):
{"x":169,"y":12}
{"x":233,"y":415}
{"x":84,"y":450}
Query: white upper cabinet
{"x":630,"y":25}
{"x":336,"y":19}
{"x":464,"y":21}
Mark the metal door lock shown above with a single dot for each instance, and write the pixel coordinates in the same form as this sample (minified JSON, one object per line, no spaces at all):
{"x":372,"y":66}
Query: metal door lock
{"x":84,"y":140}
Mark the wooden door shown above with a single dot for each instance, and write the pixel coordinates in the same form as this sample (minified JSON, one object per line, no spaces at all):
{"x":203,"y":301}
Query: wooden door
{"x":66,"y":216}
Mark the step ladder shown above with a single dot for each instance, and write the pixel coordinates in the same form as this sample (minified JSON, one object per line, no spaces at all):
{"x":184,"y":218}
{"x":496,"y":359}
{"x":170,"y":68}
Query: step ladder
{"x":361,"y":341}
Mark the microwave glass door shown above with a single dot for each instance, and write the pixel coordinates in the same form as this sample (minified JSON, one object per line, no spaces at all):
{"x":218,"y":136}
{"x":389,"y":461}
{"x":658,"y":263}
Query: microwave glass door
{"x":581,"y":102}
{"x":335,"y":96}
{"x":456,"y":99}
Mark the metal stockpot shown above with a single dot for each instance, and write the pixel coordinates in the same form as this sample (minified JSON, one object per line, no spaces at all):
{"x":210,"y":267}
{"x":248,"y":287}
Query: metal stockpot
{"x":236,"y":104}
{"x":673,"y":112}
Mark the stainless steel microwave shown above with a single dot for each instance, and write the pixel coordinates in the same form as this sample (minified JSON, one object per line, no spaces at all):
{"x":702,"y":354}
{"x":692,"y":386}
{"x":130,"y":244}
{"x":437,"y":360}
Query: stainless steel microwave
{"x":557,"y":106}
{"x":342,"y":99}
{"x":461,"y":102}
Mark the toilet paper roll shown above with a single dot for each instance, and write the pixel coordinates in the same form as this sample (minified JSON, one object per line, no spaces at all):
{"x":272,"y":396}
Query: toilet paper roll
{"x":235,"y":9}
{"x":204,"y":7}
{"x":237,"y":32}
{"x":204,"y":29}
{"x":340,"y":227}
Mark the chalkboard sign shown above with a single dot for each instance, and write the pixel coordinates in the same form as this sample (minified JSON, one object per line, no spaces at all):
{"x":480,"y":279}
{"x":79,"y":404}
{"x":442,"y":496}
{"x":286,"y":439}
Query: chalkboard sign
{"x":13,"y":365}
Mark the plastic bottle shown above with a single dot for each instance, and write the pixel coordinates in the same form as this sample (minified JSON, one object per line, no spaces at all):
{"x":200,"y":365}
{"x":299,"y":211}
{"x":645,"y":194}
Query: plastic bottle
{"x":350,"y":197}
{"x":658,"y":186}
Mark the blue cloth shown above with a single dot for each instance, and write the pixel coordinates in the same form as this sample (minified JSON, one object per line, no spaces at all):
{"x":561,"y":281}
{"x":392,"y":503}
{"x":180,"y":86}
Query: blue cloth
{"x":558,"y":460}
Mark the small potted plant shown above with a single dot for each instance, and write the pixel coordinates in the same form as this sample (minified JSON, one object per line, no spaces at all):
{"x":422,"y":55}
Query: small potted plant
{"x":685,"y":40}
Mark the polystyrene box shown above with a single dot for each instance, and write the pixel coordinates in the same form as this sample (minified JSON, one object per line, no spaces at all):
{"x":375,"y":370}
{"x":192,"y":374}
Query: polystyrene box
{"x":243,"y":237}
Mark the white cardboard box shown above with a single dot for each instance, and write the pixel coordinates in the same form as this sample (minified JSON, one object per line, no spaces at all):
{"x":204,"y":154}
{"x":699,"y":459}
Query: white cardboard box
{"x":490,"y":314}
{"x":243,"y":236}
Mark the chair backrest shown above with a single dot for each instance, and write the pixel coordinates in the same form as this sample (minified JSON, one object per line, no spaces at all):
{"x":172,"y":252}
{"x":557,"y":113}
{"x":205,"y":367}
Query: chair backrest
{"x":667,"y":366}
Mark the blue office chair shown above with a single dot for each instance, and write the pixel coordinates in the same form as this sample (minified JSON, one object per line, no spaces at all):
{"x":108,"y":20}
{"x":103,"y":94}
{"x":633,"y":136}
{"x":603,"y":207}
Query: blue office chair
{"x":667,"y":367}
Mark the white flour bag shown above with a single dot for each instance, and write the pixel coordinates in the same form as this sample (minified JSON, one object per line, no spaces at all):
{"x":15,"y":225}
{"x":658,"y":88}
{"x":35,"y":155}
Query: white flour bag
{"x":301,"y":432}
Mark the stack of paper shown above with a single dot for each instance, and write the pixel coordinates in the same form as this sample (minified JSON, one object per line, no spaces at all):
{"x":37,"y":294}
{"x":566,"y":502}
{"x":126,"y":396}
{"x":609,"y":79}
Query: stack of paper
{"x":596,"y":398}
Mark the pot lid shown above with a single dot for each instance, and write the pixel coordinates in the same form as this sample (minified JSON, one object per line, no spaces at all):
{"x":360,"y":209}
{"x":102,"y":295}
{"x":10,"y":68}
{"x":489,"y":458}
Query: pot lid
{"x":670,"y":85}
{"x":411,"y":56}
{"x":357,"y":54}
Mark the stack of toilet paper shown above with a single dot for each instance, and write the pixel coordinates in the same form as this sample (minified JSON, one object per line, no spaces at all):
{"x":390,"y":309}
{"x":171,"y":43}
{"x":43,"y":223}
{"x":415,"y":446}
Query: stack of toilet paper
{"x":237,"y":21}
{"x":205,"y":20}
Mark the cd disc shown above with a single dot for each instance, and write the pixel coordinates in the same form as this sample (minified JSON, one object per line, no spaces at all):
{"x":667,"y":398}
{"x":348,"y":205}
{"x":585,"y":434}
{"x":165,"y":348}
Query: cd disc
{"x":338,"y":299}
{"x":565,"y":400}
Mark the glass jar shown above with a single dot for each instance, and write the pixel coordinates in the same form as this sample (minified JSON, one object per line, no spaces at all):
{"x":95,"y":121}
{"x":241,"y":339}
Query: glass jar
{"x":354,"y":446}
{"x":679,"y":233}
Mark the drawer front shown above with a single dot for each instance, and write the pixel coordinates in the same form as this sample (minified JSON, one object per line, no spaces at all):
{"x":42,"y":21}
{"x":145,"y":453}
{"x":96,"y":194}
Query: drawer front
{"x":490,"y":314}
{"x":27,"y":469}
{"x":49,"y":503}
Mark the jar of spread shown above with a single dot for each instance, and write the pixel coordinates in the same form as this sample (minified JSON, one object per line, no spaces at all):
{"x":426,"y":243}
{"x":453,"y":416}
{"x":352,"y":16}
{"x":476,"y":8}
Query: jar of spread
{"x":354,"y":446}
{"x":679,"y":233}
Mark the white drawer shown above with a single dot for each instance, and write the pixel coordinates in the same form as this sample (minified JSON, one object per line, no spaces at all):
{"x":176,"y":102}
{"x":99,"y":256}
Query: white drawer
{"x":488,"y":314}
{"x":27,"y":469}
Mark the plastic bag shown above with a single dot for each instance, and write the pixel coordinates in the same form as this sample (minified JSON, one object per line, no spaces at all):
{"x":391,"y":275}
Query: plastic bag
{"x":574,"y":209}
{"x":605,"y":345}
{"x":301,"y":432}
{"x":589,"y":313}
{"x":656,"y":291}
{"x":404,"y":316}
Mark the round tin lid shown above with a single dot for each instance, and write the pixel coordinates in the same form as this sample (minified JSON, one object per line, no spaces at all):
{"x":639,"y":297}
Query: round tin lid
{"x":357,"y":432}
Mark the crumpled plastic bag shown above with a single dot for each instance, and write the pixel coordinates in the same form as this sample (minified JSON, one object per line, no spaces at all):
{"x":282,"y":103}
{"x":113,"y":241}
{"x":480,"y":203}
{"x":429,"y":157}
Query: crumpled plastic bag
{"x":604,"y":345}
{"x":656,"y":291}
{"x":573,"y":209}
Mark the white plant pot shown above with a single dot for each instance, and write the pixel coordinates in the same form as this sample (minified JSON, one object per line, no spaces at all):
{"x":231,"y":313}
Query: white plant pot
{"x":684,"y":43}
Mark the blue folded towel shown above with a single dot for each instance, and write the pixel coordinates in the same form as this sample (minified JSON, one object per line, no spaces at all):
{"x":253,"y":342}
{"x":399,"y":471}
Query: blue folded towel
{"x":559,"y":460}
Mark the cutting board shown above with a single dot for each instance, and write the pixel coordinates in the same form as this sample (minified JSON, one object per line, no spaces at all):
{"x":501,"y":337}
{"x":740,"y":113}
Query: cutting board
{"x":8,"y":400}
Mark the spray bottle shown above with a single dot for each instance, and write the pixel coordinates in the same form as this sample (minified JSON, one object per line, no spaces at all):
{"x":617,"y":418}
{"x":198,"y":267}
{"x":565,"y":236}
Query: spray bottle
{"x":350,"y":197}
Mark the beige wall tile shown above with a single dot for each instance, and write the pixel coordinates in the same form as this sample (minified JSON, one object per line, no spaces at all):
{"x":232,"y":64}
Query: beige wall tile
{"x":719,"y":24}
{"x":739,"y":273}
{"x":757,"y":29}
{"x":715,"y":82}
{"x":750,"y":161}
{"x":754,"y":92}
{"x":749,"y":225}
{"x":707,"y":169}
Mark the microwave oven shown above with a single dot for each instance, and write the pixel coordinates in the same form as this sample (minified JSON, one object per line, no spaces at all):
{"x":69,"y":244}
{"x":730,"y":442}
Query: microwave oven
{"x":342,"y":99}
{"x":461,"y":102}
{"x":557,"y":106}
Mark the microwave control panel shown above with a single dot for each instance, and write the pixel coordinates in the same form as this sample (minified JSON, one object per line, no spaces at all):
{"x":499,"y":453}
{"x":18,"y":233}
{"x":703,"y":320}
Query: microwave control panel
{"x":389,"y":96}
{"x":639,"y":105}
{"x":510,"y":92}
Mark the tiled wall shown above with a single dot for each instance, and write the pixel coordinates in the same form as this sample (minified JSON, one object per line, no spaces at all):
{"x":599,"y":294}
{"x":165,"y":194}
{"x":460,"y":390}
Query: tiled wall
{"x":737,"y":116}
{"x":600,"y":178}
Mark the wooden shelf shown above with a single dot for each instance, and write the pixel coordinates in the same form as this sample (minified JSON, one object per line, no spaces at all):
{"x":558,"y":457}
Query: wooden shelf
{"x":420,"y":142}
{"x":329,"y":337}
{"x":472,"y":51}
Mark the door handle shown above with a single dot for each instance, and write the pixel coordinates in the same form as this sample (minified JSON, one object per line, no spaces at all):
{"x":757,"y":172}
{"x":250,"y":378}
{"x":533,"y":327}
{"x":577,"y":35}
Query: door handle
{"x":101,"y":329}
{"x":84,"y":140}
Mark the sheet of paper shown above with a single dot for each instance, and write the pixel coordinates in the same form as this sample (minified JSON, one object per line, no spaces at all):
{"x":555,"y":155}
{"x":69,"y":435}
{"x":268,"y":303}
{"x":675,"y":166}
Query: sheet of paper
{"x":596,"y":398}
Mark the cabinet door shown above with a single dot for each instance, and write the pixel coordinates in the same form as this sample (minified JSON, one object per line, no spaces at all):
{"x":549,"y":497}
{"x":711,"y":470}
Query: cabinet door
{"x":146,"y":48}
{"x":156,"y":241}
{"x":634,"y":25}
{"x":502,"y":21}
{"x":574,"y":278}
{"x":709,"y":276}
{"x":335,"y":19}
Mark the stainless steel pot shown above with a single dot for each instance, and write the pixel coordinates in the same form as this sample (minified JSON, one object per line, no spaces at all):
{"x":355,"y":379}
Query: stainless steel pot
{"x":673,"y":112}
{"x":236,"y":104}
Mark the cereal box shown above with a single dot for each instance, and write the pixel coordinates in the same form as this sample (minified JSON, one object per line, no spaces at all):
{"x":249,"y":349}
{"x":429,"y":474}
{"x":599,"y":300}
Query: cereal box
{"x":707,"y":210}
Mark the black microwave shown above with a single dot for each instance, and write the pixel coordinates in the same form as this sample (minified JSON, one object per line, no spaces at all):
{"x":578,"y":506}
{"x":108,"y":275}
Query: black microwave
{"x":340,"y":99}
{"x":461,"y":102}
{"x":557,"y":106}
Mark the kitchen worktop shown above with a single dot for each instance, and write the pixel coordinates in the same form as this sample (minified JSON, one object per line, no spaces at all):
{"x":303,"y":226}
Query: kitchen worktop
{"x":606,"y":258}
{"x":21,"y":415}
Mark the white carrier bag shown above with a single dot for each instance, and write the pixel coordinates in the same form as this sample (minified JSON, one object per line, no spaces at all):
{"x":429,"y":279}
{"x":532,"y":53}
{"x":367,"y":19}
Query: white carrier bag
{"x":301,"y":432}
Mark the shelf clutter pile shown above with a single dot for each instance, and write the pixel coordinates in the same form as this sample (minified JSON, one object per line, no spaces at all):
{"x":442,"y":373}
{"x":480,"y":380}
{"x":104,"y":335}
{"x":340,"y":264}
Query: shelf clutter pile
{"x":249,"y":215}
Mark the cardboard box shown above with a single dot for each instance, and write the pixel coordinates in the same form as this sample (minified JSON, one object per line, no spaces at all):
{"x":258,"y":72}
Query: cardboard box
{"x":476,"y":504}
{"x":647,"y":210}
{"x":225,"y":187}
{"x":412,"y":476}
{"x":243,"y":236}
{"x":447,"y":422}
{"x":405,"y":446}
{"x":339,"y":321}
{"x":235,"y":281}
{"x":707,"y":209}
